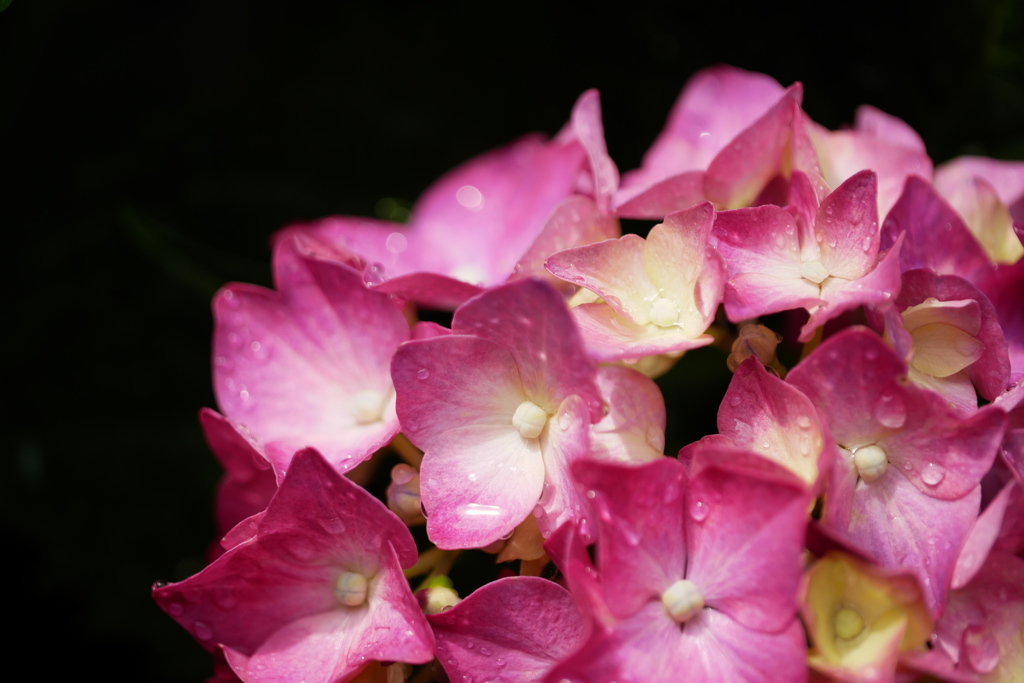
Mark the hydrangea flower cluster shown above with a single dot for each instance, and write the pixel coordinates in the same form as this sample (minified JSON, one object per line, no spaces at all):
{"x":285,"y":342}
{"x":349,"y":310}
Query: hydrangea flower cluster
{"x":867,"y":500}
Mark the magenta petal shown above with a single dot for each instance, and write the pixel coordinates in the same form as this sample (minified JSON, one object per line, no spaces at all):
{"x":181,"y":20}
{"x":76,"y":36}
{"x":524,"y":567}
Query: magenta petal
{"x":742,"y":168}
{"x":745,"y":532}
{"x":848,"y":222}
{"x":531,"y":320}
{"x":936,"y":235}
{"x":711,"y":648}
{"x":641,"y":546}
{"x":944,"y":454}
{"x":514,"y":629}
{"x":249,"y":482}
{"x":901,"y":528}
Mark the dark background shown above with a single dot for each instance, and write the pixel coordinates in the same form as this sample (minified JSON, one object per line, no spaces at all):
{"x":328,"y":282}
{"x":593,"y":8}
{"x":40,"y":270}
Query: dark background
{"x":148,"y":149}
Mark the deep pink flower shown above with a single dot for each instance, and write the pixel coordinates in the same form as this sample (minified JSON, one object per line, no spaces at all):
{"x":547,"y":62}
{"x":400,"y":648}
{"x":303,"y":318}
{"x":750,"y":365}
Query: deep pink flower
{"x":315,"y":593}
{"x":698,"y":574}
{"x":906,"y":489}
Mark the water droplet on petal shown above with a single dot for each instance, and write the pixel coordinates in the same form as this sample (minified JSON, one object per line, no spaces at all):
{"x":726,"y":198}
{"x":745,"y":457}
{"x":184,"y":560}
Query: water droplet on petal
{"x":698,"y":510}
{"x":982,"y":648}
{"x":933,"y":474}
{"x":423,"y":373}
{"x":803,"y":422}
{"x":891,"y":411}
{"x":735,"y":401}
{"x":202,"y":631}
{"x":176,"y":609}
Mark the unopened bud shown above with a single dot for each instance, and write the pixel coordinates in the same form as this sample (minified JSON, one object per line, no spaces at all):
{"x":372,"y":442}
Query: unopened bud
{"x":754,"y":340}
{"x":438,"y":596}
{"x":404,"y":494}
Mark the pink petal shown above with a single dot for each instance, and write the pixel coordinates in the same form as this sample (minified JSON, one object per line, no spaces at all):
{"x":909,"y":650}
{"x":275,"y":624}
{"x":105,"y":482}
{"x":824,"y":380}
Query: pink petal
{"x":642,"y":547}
{"x":661,"y":198}
{"x":904,"y":529}
{"x":745,"y":532}
{"x":586,"y":123}
{"x":536,"y":328}
{"x":982,"y":538}
{"x":513,"y":629}
{"x":566,"y":440}
{"x":430,"y":289}
{"x":762,"y":413}
{"x":577,"y":221}
{"x":289,"y":365}
{"x":249,"y":482}
{"x":615,"y":270}
{"x":887,"y":127}
{"x":742,"y":168}
{"x":634,"y":427}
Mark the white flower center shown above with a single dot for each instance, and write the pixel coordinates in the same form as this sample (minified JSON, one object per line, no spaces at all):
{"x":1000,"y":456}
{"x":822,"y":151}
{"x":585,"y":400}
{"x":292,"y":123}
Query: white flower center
{"x":682,"y":600}
{"x":367,"y":406}
{"x":664,"y":313}
{"x":529,"y":419}
{"x":871,"y":462}
{"x":350,"y":589}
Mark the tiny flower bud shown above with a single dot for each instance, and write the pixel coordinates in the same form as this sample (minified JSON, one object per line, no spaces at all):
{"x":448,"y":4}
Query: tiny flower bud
{"x":529,"y":419}
{"x":754,"y":340}
{"x":367,"y":406}
{"x":682,"y":600}
{"x":664,"y":313}
{"x":404,"y":494}
{"x":438,"y":596}
{"x":871,"y":462}
{"x":350,"y":589}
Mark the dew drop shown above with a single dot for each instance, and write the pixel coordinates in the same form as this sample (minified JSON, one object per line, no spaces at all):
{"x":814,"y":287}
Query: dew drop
{"x":780,"y":241}
{"x":735,"y":401}
{"x":564,"y":421}
{"x":470,"y":645}
{"x":890,"y":411}
{"x":591,"y":494}
{"x":803,"y":422}
{"x":176,"y":609}
{"x":202,"y":631}
{"x":698,"y":510}
{"x":423,"y":373}
{"x":933,"y":474}
{"x":485,"y":652}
